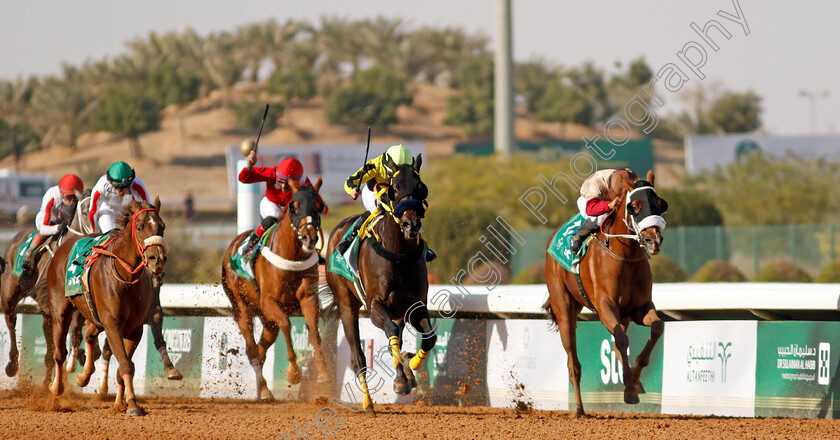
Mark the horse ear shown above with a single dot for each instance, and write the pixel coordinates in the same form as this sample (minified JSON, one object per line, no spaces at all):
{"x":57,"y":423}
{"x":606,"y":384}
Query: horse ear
{"x":650,"y":177}
{"x":391,"y":164}
{"x":157,"y":203}
{"x":318,"y":183}
{"x":418,"y":162}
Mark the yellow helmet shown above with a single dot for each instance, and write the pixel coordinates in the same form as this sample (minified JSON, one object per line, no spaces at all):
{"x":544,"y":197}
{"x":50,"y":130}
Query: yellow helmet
{"x":400,"y":155}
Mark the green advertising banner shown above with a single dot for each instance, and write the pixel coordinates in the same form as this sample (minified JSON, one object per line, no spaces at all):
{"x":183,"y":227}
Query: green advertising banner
{"x":796,"y":370}
{"x":33,"y":347}
{"x":184,"y":336}
{"x":602,"y":382}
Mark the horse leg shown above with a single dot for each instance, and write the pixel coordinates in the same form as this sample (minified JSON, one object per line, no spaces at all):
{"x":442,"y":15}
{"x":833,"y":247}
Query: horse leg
{"x":47,"y":326}
{"x":125,"y":369}
{"x":131,"y":343}
{"x":380,"y":318}
{"x":419,"y":319}
{"x":350,"y":322}
{"x":273,"y":313}
{"x":106,"y":362}
{"x":75,"y":341}
{"x":566,"y":312}
{"x":11,"y":324}
{"x":155,"y":321}
{"x":91,"y":341}
{"x":657,"y":327}
{"x":62,"y":315}
{"x":246,"y":327}
{"x":610,"y":319}
{"x":311,"y":312}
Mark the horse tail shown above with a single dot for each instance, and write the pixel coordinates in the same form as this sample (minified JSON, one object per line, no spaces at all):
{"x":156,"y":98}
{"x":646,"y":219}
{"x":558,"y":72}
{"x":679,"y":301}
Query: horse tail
{"x":329,"y":308}
{"x":550,"y":312}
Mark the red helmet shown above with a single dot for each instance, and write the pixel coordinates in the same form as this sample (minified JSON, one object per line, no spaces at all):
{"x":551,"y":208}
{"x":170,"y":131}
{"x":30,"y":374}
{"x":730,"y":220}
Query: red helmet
{"x":71,"y":184}
{"x":289,"y":168}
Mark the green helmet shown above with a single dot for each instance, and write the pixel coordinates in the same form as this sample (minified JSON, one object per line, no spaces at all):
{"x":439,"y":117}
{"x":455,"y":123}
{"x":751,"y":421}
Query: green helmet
{"x":400,"y":155}
{"x":120,"y":174}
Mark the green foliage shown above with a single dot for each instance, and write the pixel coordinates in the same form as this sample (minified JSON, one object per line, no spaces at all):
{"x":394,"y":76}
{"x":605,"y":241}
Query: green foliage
{"x":128,"y":112}
{"x":764,"y":190}
{"x":716,"y":271}
{"x":168,"y":83}
{"x":666,"y":270}
{"x":736,"y":112}
{"x":14,"y":139}
{"x":472,"y":108}
{"x":453,"y":234}
{"x":533,"y":274}
{"x":249,"y":115}
{"x":531,"y":80}
{"x":371,"y":99}
{"x":830,"y":273}
{"x":186,"y":264}
{"x":297,"y":82}
{"x":782,"y":271}
{"x":688,"y":207}
{"x":563,"y":103}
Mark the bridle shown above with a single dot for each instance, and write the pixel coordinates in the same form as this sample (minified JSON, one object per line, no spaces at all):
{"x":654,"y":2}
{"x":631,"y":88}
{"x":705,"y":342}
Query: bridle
{"x":633,"y":225}
{"x":140,"y":247}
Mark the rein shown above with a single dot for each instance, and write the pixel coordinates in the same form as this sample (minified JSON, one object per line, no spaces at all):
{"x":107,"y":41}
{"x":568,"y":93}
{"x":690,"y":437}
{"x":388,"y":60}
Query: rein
{"x":101,"y":250}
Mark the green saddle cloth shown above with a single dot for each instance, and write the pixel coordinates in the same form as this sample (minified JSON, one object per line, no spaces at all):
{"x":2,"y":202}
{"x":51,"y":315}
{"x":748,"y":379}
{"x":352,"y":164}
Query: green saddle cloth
{"x":559,"y":248}
{"x":76,"y":263}
{"x":238,"y":261}
{"x":17,"y":270}
{"x":338,"y":264}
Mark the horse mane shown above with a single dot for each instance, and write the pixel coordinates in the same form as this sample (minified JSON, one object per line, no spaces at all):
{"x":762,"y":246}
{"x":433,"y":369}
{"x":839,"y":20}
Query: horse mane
{"x":621,"y":182}
{"x":128,"y":211}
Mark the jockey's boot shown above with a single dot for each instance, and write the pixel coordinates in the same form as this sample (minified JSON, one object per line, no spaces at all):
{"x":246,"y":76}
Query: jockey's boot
{"x":253,"y":239}
{"x":576,"y":242}
{"x":26,"y":263}
{"x":430,"y":255}
{"x":354,"y":231}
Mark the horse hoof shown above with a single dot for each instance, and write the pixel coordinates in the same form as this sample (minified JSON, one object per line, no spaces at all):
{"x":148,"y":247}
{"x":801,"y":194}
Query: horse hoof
{"x":640,"y":389}
{"x":580,"y":414}
{"x":369,"y":412}
{"x":631,"y":399}
{"x":402,"y":389}
{"x":82,"y":380}
{"x":136,"y":411}
{"x":293,"y":375}
{"x":174,"y":374}
{"x":412,"y":382}
{"x":266,"y":396}
{"x":11,"y":369}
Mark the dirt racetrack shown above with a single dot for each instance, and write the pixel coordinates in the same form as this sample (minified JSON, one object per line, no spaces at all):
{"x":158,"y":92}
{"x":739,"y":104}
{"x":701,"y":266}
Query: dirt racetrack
{"x":24,"y":415}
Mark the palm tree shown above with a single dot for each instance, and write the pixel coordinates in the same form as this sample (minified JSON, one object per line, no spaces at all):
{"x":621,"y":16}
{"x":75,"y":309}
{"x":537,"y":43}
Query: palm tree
{"x":341,"y":45}
{"x":16,"y":110}
{"x":254,"y":43}
{"x":63,"y":106}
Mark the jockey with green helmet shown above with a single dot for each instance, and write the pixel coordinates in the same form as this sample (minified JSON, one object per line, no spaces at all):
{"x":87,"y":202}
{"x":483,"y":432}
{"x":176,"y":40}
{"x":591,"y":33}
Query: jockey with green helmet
{"x":365,"y":182}
{"x":113,"y":191}
{"x":57,"y":208}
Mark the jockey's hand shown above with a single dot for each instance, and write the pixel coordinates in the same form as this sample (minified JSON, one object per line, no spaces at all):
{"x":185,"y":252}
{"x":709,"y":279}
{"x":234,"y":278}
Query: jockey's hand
{"x":615,"y":204}
{"x":355,"y":193}
{"x":62,"y":227}
{"x":252,"y":159}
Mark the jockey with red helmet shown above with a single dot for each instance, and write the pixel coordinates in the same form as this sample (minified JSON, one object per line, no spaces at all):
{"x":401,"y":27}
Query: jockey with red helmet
{"x":111,"y":193}
{"x":282,"y":182}
{"x":56,"y":212}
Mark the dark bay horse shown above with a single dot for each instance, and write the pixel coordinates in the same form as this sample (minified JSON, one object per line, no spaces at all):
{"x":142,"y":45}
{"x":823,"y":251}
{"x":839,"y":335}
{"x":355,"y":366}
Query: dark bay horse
{"x":616,"y":278}
{"x":286,"y":283}
{"x":31,"y":283}
{"x":393,"y":274}
{"x":121,"y":291}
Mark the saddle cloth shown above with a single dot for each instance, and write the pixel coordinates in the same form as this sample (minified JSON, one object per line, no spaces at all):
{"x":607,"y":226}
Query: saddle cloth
{"x":559,"y":247}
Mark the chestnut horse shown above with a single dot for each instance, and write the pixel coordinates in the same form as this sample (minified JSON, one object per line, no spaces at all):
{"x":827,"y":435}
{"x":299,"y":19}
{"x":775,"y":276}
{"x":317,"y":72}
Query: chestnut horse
{"x":286,"y":283}
{"x":393,"y":275}
{"x":616,"y":279}
{"x":121,"y":291}
{"x":13,"y":289}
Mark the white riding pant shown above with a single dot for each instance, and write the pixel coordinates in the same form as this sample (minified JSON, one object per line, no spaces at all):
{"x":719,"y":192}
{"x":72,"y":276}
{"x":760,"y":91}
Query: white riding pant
{"x":269,"y":208}
{"x":369,"y":199}
{"x":581,"y":203}
{"x":104,"y":219}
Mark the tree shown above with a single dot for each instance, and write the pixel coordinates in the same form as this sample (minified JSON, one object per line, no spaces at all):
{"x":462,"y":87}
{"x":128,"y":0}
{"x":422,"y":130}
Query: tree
{"x":563,"y":103}
{"x":531,"y":81}
{"x":371,"y":99}
{"x":297,"y":81}
{"x":128,"y":112}
{"x":472,"y":108}
{"x":736,"y":112}
{"x":15,"y":139}
{"x":63,"y":106}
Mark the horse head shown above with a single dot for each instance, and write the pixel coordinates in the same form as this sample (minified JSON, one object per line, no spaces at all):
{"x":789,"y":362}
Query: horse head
{"x":643,"y":208}
{"x":142,"y":220}
{"x":305,"y":215}
{"x":407,"y":193}
{"x":154,"y":254}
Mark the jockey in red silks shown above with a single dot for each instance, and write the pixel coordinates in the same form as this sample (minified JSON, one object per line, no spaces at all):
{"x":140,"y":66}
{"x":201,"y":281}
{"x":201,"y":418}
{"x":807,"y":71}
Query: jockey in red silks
{"x":111,"y":193}
{"x":281,"y":183}
{"x":56,"y":211}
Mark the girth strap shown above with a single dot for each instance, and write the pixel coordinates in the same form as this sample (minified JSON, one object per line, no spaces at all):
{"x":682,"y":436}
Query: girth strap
{"x":584,"y":295}
{"x":398,"y":257}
